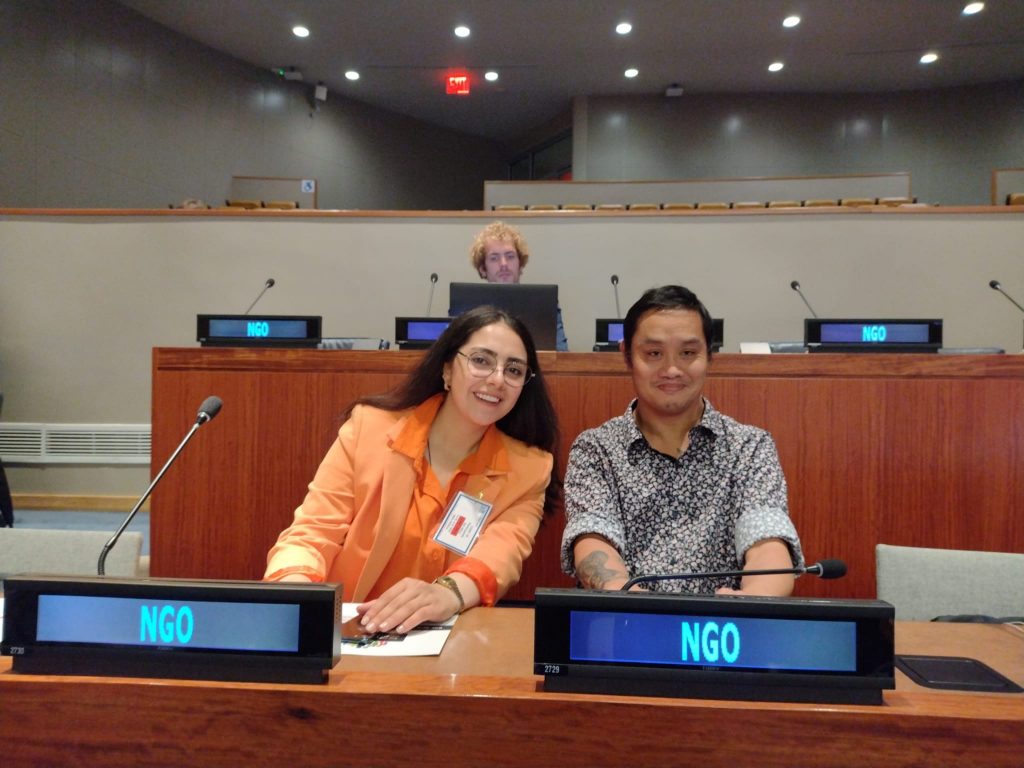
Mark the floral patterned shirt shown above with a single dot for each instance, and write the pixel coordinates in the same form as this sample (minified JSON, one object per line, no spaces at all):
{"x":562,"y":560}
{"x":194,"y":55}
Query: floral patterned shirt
{"x":696,"y":514}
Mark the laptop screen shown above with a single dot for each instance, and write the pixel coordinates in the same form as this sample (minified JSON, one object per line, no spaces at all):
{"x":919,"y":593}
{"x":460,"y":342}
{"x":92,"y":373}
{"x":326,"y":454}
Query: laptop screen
{"x":535,"y":305}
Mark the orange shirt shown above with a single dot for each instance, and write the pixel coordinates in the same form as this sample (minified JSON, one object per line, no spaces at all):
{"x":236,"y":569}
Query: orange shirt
{"x":416,"y":554}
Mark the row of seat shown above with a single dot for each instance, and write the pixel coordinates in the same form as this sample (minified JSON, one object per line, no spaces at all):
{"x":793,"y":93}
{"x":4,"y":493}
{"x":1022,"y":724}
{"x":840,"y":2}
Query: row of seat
{"x":281,"y":205}
{"x":704,"y":206}
{"x":246,"y":205}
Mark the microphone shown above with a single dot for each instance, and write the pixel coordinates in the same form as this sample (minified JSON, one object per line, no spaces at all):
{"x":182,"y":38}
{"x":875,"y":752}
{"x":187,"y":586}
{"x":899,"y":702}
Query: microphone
{"x":207,"y":411}
{"x":269,"y":284}
{"x":995,"y":285}
{"x":796,"y":287}
{"x":430,"y":301}
{"x":825,"y":569}
{"x":615,"y":286}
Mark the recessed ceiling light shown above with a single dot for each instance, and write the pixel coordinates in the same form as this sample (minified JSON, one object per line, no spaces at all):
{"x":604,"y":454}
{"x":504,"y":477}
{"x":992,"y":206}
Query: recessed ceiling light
{"x":631,"y":72}
{"x":300,"y":31}
{"x":972,"y":8}
{"x":462,"y":31}
{"x":930,"y":58}
{"x":776,"y":66}
{"x":491,"y":76}
{"x":352,"y":75}
{"x":624,"y":28}
{"x":791,"y":21}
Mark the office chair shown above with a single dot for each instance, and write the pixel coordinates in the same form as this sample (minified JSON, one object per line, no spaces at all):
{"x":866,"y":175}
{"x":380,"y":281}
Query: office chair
{"x":925,"y":583}
{"x":68,"y":553}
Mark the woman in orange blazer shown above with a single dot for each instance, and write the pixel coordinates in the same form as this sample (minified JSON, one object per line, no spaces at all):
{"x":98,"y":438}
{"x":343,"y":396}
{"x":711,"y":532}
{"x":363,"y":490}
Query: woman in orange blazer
{"x":470,"y":434}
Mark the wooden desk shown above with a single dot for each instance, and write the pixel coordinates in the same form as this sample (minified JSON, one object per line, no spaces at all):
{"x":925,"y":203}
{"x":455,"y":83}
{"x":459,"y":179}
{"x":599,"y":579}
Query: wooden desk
{"x":479,"y":704}
{"x":920,"y":450}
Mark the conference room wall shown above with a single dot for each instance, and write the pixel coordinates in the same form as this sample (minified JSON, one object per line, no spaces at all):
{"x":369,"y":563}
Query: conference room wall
{"x":83,"y":299}
{"x":103,"y":108}
{"x":949,"y":139}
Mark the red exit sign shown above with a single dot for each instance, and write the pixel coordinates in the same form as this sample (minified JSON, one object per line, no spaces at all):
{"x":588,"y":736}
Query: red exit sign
{"x":457,"y":85}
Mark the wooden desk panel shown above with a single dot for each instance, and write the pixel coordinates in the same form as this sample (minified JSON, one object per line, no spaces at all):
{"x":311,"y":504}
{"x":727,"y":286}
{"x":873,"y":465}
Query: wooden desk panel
{"x":921,"y":450}
{"x":479,"y":704}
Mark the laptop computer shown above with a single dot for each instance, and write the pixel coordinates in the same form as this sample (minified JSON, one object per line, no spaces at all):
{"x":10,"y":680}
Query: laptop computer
{"x":535,"y":304}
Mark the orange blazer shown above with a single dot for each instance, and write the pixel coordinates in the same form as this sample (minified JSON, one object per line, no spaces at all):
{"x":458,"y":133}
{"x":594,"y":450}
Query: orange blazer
{"x":349,"y":523}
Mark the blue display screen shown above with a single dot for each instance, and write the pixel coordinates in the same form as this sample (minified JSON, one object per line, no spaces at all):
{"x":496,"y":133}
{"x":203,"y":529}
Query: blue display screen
{"x":863,"y":333}
{"x":168,"y":623}
{"x":426,"y":330}
{"x":713,"y":641}
{"x":258,"y":328}
{"x":615,"y":331}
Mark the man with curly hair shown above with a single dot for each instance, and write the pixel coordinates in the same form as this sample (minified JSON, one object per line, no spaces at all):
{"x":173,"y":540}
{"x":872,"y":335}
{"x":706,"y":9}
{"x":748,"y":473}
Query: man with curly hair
{"x":499,"y":254}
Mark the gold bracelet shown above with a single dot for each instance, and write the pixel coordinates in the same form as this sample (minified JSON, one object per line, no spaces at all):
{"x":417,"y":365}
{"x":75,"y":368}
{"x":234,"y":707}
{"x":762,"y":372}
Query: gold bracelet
{"x":449,"y":583}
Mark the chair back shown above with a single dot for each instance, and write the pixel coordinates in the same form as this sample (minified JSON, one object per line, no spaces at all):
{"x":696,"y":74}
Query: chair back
{"x":924,"y":583}
{"x":67,"y":553}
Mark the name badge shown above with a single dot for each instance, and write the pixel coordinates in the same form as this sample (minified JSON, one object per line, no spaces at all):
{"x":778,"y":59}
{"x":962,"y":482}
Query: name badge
{"x":462,"y":523}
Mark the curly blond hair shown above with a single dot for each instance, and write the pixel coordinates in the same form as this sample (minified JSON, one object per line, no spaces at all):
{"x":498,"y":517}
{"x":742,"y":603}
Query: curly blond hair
{"x":497,"y":230}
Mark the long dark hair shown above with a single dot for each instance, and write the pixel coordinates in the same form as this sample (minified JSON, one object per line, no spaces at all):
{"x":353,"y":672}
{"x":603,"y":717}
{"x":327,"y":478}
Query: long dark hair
{"x":532,"y":420}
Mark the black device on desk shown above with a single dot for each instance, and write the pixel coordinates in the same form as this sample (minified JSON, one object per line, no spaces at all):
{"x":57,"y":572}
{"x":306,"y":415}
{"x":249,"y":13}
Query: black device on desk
{"x":749,"y":648}
{"x":419,"y":332}
{"x":872,"y":335}
{"x":535,"y":304}
{"x":609,"y":332}
{"x":192,"y":629}
{"x":258,"y":330}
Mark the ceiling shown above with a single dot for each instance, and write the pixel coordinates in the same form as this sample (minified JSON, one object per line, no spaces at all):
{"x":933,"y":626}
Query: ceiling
{"x":548,"y":51}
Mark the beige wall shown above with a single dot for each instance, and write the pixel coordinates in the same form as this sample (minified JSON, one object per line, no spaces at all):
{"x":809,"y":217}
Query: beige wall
{"x":84,"y":299}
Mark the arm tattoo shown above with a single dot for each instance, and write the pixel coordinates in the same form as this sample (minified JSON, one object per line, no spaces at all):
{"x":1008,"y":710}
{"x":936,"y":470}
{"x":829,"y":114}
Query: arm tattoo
{"x":593,"y":571}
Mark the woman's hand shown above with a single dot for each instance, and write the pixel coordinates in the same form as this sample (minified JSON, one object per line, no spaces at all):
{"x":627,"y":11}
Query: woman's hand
{"x":406,"y":605}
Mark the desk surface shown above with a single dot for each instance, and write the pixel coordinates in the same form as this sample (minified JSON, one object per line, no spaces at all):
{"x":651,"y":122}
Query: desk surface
{"x":479,"y":704}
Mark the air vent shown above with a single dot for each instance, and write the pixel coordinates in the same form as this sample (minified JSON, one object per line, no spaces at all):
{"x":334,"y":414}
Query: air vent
{"x":75,"y":443}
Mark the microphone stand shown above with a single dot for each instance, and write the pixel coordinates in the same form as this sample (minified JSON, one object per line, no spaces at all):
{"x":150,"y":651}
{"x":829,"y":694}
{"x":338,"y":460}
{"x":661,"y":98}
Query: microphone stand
{"x":995,"y":285}
{"x":815,"y":569}
{"x":796,"y":287}
{"x":200,"y":420}
{"x":430,"y":300}
{"x":269,"y":284}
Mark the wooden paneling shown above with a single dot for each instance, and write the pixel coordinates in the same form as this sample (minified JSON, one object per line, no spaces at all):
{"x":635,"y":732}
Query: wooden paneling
{"x":919,"y":450}
{"x":478,"y":703}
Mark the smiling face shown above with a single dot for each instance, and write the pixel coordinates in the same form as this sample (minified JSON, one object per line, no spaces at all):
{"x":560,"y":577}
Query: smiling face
{"x":501,"y":261}
{"x":482,"y":401}
{"x":669,"y":364}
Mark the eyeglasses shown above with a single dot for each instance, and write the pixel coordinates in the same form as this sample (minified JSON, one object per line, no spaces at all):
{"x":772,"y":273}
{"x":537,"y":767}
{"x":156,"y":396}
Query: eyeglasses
{"x":482,"y":364}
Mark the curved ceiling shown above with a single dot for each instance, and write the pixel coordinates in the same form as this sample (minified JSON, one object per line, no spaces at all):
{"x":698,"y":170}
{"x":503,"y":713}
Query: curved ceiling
{"x":548,"y":51}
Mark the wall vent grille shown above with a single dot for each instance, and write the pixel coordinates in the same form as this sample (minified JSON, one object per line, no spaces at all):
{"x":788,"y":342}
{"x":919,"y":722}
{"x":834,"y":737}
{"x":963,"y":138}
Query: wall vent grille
{"x":25,"y":443}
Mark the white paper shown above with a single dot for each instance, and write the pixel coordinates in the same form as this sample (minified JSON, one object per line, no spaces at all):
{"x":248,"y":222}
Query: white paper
{"x":419,"y":642}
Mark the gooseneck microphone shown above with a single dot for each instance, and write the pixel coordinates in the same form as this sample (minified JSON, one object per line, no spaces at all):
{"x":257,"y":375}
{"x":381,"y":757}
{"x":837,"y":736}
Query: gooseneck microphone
{"x":430,"y":301}
{"x":210,"y":408}
{"x":266,"y":287}
{"x":615,"y":286}
{"x":995,"y":285}
{"x":796,"y":287}
{"x":825,"y":569}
